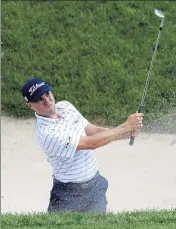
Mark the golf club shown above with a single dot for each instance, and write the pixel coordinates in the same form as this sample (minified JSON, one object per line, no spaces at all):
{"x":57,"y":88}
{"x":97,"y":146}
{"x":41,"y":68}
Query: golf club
{"x":161,"y":15}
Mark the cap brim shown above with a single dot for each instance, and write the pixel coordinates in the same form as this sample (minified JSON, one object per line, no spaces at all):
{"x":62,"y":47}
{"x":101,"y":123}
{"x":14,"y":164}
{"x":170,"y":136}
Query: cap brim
{"x":41,"y":92}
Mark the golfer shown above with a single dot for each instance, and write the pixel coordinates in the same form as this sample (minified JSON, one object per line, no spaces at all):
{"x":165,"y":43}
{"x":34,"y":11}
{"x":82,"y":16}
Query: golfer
{"x":69,"y":140}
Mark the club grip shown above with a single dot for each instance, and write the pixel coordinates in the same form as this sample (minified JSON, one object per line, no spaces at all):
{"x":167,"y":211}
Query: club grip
{"x":131,"y":140}
{"x":131,"y":143}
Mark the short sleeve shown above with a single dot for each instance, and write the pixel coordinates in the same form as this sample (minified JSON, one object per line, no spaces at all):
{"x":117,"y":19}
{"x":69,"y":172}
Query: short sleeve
{"x":61,"y":144}
{"x":67,"y":105}
{"x":84,"y":120}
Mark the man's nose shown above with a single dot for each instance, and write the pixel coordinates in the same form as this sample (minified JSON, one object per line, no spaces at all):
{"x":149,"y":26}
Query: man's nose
{"x":46,"y":99}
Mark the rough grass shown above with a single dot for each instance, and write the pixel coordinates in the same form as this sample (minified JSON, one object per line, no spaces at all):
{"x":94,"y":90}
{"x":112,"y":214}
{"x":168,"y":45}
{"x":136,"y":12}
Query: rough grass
{"x":95,"y":54}
{"x":162,"y":219}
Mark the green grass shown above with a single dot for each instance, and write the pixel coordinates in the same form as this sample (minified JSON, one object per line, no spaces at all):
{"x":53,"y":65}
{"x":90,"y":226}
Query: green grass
{"x":95,"y":54}
{"x":162,"y":219}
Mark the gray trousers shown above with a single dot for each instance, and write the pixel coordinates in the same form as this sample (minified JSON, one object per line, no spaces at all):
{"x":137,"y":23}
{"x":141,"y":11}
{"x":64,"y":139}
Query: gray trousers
{"x":88,"y":196}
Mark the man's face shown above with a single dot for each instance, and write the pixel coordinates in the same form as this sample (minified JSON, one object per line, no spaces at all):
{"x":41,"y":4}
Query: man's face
{"x":45,"y":106}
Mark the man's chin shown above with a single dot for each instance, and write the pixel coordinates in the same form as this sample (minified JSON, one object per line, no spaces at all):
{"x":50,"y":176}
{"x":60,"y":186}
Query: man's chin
{"x":51,"y":108}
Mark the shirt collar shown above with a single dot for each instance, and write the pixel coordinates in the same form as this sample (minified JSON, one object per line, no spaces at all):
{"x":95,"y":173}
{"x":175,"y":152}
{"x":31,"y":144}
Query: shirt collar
{"x":45,"y":120}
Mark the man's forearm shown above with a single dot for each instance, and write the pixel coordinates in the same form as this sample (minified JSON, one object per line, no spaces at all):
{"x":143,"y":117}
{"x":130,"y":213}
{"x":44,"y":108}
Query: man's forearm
{"x":100,"y":129}
{"x":92,"y":129}
{"x":108,"y":135}
{"x":104,"y":137}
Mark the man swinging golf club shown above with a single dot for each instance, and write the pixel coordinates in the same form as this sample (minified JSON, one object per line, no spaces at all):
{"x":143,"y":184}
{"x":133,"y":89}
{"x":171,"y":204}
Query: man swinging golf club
{"x":69,"y":140}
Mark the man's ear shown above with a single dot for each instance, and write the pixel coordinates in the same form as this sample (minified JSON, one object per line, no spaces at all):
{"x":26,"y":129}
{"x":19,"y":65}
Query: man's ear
{"x":29,"y":105}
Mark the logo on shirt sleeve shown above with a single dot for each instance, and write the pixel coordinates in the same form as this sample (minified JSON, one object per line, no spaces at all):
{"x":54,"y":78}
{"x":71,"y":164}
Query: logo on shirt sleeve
{"x":68,"y":142}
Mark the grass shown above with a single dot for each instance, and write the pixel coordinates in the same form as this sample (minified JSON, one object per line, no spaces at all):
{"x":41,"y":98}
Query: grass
{"x":95,"y":54}
{"x":162,"y":219}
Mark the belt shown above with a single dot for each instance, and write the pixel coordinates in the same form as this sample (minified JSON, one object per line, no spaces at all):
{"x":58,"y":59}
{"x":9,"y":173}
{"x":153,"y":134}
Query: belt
{"x":72,"y":185}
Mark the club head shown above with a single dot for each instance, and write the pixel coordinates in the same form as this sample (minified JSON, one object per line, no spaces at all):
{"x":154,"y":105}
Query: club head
{"x":159,"y":13}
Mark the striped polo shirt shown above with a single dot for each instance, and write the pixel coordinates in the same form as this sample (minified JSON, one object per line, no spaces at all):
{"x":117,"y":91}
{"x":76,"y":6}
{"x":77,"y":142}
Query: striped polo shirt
{"x":59,"y":139}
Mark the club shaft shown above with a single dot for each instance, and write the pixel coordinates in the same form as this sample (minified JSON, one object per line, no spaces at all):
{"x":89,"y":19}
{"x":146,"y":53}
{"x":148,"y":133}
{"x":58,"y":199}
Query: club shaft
{"x":150,"y":71}
{"x":148,"y":76}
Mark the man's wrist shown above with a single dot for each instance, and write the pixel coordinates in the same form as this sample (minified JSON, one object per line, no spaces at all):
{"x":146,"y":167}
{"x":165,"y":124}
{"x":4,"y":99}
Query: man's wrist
{"x":121,"y":130}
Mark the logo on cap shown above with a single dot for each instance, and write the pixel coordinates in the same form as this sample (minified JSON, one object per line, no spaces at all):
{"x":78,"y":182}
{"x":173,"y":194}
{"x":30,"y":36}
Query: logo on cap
{"x":35,"y":87}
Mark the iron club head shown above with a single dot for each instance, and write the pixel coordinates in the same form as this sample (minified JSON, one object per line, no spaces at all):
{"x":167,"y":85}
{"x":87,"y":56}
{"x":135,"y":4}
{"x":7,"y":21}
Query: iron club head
{"x":159,"y":13}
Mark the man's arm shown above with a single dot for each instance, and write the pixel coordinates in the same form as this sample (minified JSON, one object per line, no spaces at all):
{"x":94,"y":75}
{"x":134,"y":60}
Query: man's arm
{"x":93,"y":129}
{"x":103,"y":138}
{"x":123,"y":131}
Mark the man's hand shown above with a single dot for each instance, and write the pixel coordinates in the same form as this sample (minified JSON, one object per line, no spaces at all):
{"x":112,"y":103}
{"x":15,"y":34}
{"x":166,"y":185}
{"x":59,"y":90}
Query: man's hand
{"x":135,"y":122}
{"x":131,"y":127}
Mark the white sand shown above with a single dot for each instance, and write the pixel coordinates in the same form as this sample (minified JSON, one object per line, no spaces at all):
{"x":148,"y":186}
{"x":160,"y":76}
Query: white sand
{"x":140,"y":177}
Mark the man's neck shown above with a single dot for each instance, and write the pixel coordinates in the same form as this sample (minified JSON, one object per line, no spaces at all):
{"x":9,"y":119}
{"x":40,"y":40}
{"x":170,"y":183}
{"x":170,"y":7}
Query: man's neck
{"x":53,"y":115}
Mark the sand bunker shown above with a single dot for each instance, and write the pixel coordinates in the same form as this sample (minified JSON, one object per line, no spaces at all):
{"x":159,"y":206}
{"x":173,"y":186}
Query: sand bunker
{"x":140,"y":177}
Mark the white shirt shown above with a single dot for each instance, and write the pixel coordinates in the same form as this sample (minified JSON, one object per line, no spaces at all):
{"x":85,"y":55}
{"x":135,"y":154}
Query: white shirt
{"x":59,"y":139}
